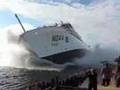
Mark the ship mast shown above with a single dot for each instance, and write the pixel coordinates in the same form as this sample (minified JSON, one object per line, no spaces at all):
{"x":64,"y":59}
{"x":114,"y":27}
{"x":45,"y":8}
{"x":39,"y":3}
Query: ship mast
{"x":20,"y":23}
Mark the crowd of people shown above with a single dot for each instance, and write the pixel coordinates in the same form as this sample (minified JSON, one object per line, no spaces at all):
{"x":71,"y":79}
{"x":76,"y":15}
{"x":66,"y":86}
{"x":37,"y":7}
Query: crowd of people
{"x":107,"y":73}
{"x":57,"y":84}
{"x":106,"y":76}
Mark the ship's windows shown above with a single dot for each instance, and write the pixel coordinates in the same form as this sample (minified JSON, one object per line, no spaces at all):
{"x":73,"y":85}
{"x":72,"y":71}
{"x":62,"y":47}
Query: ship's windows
{"x":62,"y":38}
{"x":66,"y":39}
{"x":57,"y":37}
{"x":53,"y":38}
{"x":66,"y":26}
{"x":54,"y":44}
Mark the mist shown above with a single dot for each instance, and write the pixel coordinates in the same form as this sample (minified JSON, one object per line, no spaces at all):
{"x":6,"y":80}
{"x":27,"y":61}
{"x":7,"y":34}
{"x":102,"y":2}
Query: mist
{"x":11,"y":52}
{"x":96,"y":55}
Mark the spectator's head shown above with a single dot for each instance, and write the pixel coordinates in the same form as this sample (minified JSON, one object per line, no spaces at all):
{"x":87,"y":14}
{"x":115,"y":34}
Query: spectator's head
{"x":106,"y":65}
{"x":94,"y":71}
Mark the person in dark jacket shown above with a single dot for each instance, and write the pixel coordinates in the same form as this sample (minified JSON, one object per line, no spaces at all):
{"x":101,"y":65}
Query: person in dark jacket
{"x":106,"y":75}
{"x":92,"y":76}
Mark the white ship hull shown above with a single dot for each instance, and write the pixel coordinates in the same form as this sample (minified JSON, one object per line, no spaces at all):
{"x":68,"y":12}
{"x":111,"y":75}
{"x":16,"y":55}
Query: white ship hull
{"x":58,"y":44}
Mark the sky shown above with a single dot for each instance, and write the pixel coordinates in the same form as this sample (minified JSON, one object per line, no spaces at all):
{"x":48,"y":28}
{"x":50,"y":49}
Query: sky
{"x":97,"y":21}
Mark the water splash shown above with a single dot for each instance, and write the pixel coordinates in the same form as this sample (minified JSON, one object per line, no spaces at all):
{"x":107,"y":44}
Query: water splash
{"x":15,"y":54}
{"x":10,"y":51}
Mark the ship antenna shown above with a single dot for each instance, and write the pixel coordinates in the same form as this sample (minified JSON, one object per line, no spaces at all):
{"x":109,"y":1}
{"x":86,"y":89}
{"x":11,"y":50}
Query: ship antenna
{"x":20,"y":23}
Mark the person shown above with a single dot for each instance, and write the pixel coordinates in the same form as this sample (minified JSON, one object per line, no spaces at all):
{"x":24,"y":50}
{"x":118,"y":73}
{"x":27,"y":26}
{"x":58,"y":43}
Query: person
{"x":106,"y":75}
{"x":92,"y":76}
{"x":39,"y":85}
{"x":117,"y":76}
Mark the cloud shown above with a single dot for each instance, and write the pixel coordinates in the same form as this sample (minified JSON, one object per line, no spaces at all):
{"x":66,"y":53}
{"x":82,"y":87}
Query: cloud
{"x":96,"y":23}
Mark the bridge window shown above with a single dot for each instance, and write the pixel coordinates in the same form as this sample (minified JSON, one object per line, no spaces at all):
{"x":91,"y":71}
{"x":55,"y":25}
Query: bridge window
{"x":66,"y":39}
{"x":57,"y":37}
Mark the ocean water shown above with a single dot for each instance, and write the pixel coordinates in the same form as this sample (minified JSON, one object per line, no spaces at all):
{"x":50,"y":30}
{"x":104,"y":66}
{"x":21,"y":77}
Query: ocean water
{"x":18,"y":78}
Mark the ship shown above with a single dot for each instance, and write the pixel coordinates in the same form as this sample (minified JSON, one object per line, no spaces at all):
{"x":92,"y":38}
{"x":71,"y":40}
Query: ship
{"x":58,"y":43}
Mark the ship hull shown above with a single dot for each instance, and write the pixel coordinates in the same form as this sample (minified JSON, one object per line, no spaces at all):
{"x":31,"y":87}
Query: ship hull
{"x":64,"y":57}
